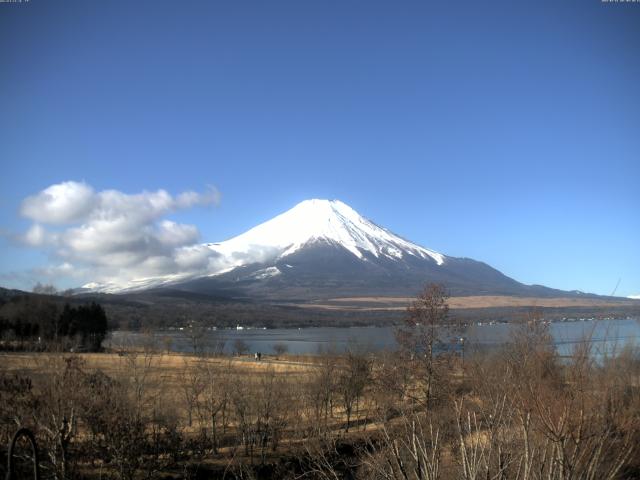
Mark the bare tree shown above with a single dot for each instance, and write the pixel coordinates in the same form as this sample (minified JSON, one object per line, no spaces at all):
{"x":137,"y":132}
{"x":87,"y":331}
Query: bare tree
{"x":215,"y":396}
{"x":240,"y":347}
{"x":426,"y":323}
{"x":167,"y":341}
{"x":352,"y":380}
{"x":45,"y":289}
{"x":196,"y":332}
{"x":410,"y":450}
{"x":59,"y":409}
{"x":240,"y":397}
{"x":391,"y":380}
{"x":17,"y":403}
{"x":280,"y":349}
{"x":275,"y":406}
{"x":321,"y":390}
{"x":216,"y":342}
{"x":192,"y":384}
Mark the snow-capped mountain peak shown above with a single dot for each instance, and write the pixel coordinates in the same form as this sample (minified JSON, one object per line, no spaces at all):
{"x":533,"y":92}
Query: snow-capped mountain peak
{"x":323,"y":249}
{"x":310,"y":221}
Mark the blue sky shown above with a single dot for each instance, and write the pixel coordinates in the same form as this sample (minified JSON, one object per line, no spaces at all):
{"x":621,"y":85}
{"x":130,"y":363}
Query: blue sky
{"x":508,"y":132}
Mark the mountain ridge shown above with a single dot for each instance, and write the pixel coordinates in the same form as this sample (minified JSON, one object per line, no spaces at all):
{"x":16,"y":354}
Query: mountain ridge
{"x":324,"y":248}
{"x":318,"y":219}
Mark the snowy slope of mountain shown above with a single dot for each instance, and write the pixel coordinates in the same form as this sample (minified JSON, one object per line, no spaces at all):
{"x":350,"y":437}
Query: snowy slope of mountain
{"x":322,"y":249}
{"x":314,"y":221}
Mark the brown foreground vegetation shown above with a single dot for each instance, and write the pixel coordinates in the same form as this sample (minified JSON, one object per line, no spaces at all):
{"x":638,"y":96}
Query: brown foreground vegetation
{"x":517,"y":413}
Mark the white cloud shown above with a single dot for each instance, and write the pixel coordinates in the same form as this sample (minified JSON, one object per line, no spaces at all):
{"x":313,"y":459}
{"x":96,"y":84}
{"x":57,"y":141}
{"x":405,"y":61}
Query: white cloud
{"x":114,"y":236}
{"x":634,"y":297}
{"x":190,"y":199}
{"x":63,"y":269}
{"x":59,"y":204}
{"x":196,"y":258}
{"x":35,"y":236}
{"x":175,"y":234}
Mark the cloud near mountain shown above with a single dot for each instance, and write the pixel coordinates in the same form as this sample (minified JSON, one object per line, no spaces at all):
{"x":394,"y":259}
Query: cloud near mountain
{"x":115,"y":235}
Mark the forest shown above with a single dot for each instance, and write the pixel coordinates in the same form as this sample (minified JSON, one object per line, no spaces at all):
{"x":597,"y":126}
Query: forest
{"x":38,"y":323}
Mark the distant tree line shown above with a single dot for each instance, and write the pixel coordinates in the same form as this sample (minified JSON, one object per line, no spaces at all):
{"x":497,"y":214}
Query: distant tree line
{"x":153,"y":311}
{"x":37,"y":322}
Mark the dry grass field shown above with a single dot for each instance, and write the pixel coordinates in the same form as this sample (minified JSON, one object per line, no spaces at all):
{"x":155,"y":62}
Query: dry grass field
{"x":164,"y":374}
{"x":163,"y":365}
{"x":149,"y":414}
{"x":230,"y":386}
{"x":161,"y":370}
{"x":488,"y":301}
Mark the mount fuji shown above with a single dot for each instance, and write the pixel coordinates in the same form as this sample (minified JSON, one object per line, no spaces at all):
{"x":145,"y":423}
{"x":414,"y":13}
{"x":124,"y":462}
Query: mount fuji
{"x":323,"y":249}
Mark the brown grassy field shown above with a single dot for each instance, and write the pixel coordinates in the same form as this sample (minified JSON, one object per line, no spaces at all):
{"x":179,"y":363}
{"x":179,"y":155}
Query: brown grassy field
{"x":488,"y":301}
{"x":166,"y":367}
{"x":161,"y":369}
{"x":162,"y":372}
{"x":289,"y":414}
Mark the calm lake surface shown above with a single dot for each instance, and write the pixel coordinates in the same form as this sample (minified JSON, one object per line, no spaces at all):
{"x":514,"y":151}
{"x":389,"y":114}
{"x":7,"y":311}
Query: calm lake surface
{"x":605,"y":336}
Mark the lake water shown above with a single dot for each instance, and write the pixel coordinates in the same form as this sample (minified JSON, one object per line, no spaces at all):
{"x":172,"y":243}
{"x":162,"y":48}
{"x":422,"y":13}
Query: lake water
{"x":605,"y":336}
